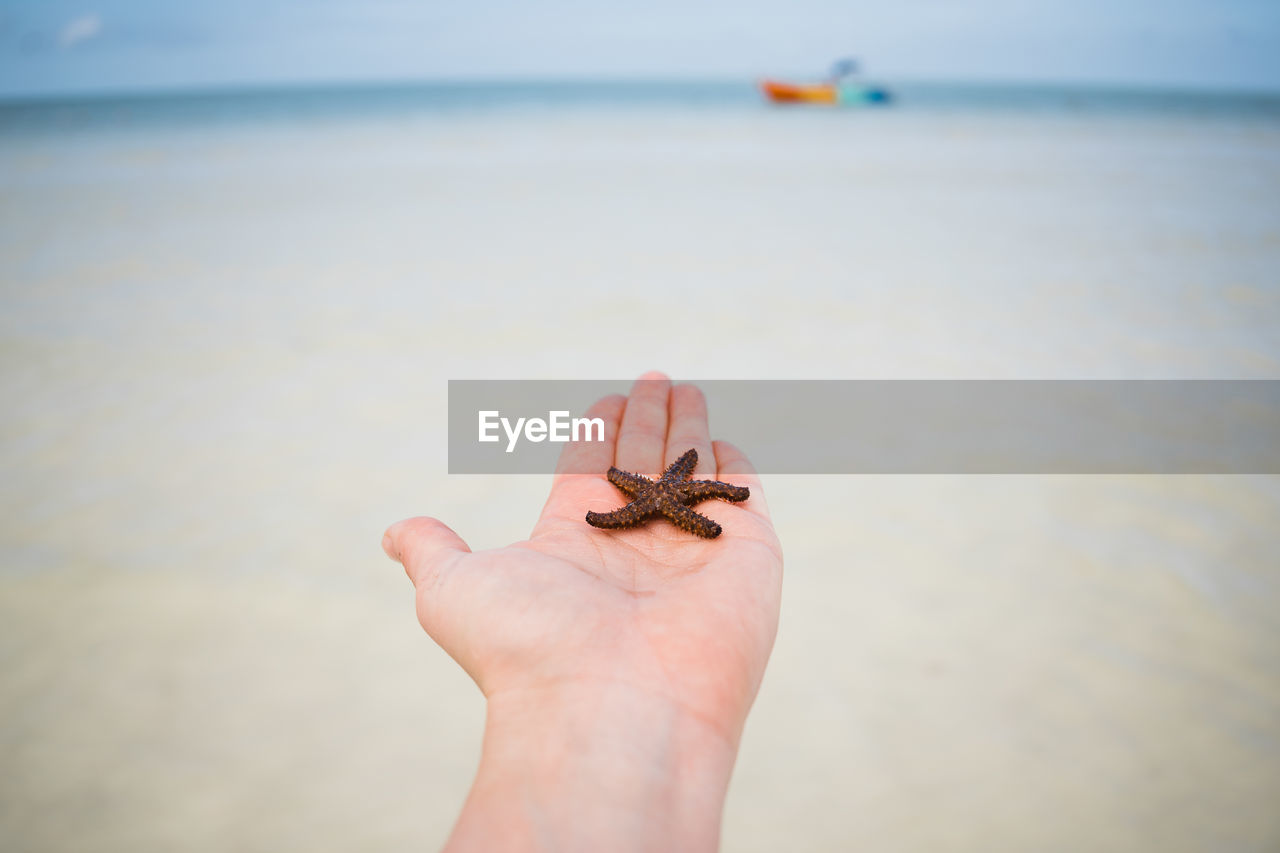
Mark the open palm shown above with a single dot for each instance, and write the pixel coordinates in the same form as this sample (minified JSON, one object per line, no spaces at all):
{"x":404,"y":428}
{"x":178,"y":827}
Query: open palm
{"x":689,"y":620}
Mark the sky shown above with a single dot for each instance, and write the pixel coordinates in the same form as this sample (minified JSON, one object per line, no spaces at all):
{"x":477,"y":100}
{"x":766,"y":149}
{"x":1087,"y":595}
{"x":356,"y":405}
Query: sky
{"x":61,"y":47}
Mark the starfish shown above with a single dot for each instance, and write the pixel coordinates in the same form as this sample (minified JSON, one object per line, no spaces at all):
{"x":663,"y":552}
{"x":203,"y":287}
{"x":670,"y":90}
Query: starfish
{"x":670,"y":495}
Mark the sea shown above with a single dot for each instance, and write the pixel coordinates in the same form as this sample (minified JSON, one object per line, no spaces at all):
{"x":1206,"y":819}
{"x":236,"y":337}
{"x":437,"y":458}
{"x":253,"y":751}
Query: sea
{"x":228,"y":320}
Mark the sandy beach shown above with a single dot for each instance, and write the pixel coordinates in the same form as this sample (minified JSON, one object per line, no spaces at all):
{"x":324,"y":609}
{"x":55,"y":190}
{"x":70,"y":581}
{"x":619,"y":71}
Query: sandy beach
{"x":225,"y":346}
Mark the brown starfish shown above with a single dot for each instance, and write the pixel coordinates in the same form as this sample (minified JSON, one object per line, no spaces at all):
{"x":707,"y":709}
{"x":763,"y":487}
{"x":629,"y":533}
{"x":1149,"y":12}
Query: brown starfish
{"x":670,"y":495}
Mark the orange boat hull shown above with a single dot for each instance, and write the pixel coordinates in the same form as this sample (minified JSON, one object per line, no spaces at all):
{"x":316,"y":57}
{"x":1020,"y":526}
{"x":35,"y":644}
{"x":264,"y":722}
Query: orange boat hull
{"x":790,"y":93}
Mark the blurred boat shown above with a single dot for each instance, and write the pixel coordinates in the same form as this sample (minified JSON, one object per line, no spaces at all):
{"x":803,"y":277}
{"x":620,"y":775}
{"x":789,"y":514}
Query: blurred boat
{"x":823,"y":93}
{"x":842,"y":86}
{"x":792,"y":93}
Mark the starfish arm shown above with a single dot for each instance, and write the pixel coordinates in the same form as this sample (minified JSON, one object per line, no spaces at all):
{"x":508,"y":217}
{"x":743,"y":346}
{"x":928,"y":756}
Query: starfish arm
{"x":630,"y":515}
{"x":632,"y":484}
{"x":688,"y":520}
{"x":701,"y":490}
{"x":682,"y":468}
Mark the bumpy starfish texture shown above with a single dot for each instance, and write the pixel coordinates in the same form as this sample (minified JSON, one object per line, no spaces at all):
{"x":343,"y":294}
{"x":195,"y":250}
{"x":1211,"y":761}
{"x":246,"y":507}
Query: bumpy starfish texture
{"x":670,"y":496}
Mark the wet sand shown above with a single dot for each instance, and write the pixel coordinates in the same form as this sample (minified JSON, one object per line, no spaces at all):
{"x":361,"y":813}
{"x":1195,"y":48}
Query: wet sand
{"x":225,"y":355}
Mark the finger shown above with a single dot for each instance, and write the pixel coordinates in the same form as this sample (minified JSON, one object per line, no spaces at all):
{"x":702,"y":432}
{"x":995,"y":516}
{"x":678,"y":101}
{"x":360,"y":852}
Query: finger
{"x":425,"y":546}
{"x":578,"y":473}
{"x":642,"y":437}
{"x":688,"y":428}
{"x":734,"y":467}
{"x":594,"y":457}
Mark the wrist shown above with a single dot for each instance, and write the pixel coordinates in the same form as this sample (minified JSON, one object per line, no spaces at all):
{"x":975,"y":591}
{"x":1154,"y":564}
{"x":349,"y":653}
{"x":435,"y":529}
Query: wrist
{"x":596,"y":766}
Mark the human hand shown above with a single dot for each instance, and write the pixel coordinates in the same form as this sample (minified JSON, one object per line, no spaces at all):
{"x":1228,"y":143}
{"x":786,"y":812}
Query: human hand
{"x":649,"y":636}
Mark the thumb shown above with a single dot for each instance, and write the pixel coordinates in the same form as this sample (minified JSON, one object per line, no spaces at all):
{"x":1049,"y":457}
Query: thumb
{"x":425,"y":546}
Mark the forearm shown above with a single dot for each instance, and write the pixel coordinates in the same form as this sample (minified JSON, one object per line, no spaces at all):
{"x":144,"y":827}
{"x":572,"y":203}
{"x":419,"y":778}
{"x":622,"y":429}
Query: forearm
{"x":596,"y":767}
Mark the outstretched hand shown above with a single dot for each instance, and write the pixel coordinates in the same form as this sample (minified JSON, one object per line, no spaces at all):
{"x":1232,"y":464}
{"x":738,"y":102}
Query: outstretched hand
{"x":684,"y":623}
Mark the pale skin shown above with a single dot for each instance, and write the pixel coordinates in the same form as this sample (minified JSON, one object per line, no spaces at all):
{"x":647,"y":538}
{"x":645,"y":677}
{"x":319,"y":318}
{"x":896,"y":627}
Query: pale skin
{"x":618,"y":666}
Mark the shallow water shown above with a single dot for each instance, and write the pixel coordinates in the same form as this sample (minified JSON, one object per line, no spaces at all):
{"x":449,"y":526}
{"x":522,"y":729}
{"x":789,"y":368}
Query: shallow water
{"x":227,"y":326}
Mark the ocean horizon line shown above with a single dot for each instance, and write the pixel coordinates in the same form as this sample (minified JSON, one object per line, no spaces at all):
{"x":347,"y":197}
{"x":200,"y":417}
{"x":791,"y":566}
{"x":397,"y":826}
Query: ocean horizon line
{"x":605,"y":82}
